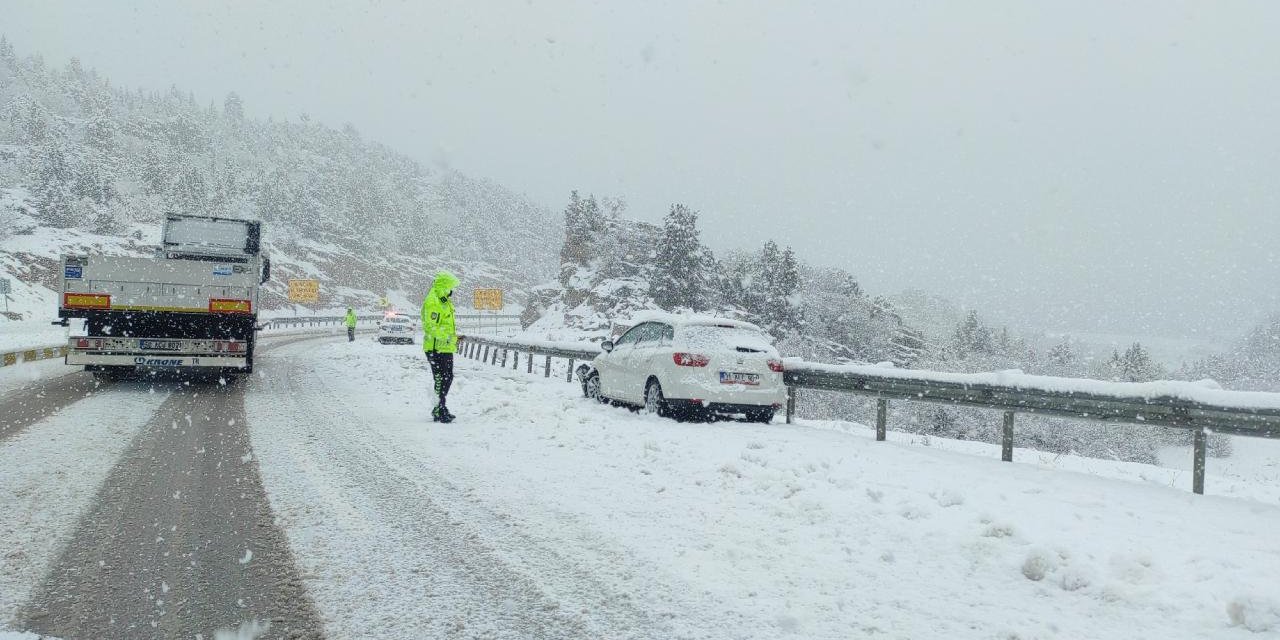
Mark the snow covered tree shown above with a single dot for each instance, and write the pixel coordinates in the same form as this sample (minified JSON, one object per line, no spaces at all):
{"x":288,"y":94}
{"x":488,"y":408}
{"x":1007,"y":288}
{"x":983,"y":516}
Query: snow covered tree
{"x":1134,"y":365}
{"x":1062,"y":359}
{"x":53,"y":190}
{"x":190,"y":194}
{"x":233,"y":107}
{"x":678,"y":278}
{"x":100,"y":136}
{"x":971,"y":337}
{"x":582,"y":226}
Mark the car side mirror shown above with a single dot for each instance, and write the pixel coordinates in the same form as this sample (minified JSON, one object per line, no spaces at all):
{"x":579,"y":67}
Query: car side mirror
{"x":607,"y":346}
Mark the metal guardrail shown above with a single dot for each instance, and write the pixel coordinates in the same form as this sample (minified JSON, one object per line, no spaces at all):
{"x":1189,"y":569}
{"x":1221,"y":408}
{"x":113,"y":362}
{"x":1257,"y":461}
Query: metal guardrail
{"x":310,"y":321}
{"x":469,"y":322}
{"x":1165,"y":411}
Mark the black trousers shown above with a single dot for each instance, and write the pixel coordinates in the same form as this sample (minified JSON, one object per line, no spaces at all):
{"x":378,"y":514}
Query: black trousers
{"x":351,"y":334}
{"x":441,"y":372}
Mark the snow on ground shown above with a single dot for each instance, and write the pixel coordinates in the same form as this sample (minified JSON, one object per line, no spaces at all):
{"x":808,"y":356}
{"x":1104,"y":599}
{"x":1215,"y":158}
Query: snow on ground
{"x":26,"y":373}
{"x":49,"y":476}
{"x":640,"y":527}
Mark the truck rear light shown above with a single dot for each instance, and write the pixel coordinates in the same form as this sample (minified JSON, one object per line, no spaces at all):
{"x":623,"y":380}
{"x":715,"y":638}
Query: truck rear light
{"x":86,"y":300}
{"x":229,"y":346}
{"x":690,"y":360}
{"x":88,"y":343}
{"x":223,"y":305}
{"x":775,"y":366}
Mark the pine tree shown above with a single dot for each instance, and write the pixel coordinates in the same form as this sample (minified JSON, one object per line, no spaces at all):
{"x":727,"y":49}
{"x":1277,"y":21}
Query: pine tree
{"x":576,"y":250}
{"x":53,"y":190}
{"x":100,"y":136}
{"x":966,"y":338}
{"x":1062,"y":358}
{"x":1137,"y":366}
{"x":190,"y":194}
{"x":233,"y":106}
{"x":7,"y":53}
{"x":678,"y":279}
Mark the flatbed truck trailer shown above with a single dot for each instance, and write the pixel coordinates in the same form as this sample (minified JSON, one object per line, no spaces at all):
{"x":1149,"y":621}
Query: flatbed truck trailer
{"x":192,"y":307}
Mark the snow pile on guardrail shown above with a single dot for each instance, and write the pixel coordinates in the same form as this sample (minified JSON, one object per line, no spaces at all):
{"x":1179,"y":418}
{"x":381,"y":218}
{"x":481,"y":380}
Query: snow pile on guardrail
{"x":1203,"y":391}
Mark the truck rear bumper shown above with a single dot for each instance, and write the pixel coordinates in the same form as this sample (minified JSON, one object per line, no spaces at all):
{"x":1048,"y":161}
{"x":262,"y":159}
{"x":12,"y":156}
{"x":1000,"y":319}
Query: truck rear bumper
{"x":156,"y":360}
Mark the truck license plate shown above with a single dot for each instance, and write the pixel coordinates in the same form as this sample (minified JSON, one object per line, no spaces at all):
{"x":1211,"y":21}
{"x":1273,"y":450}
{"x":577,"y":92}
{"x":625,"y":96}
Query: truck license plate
{"x":159,"y":345}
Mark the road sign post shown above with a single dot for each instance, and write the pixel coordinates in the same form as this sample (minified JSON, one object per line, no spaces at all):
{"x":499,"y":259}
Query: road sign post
{"x":4,"y":291}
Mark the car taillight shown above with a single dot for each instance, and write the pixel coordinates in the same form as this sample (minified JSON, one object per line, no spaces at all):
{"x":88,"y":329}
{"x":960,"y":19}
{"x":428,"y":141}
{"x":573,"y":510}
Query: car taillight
{"x":775,"y":366}
{"x":88,"y":343}
{"x":690,"y":360}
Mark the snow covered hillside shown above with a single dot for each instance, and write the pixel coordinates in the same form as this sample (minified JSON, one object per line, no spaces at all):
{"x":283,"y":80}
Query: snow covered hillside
{"x":84,"y":164}
{"x":595,"y":522}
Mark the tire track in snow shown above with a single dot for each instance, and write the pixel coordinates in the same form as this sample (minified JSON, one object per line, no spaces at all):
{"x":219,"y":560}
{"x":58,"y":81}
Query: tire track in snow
{"x":49,"y":475}
{"x":180,"y":540}
{"x":28,"y":405}
{"x":386,"y":548}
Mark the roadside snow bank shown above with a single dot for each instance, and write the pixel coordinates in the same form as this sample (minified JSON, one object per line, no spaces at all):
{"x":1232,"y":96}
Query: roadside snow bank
{"x":739,"y":531}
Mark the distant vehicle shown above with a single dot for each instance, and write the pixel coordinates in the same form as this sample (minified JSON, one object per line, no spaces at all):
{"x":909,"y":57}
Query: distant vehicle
{"x":689,"y":367}
{"x":192,"y":307}
{"x":396,"y":329}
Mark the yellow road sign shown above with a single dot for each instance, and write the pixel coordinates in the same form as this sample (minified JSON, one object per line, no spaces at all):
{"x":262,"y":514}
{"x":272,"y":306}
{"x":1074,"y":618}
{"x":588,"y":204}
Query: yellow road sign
{"x":304,"y":291}
{"x":486,"y":300}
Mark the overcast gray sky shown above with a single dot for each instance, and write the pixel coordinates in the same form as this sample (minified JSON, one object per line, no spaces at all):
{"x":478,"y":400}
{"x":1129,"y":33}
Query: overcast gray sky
{"x":1107,"y":166}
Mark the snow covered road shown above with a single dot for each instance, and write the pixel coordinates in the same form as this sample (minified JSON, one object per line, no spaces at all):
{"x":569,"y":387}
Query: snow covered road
{"x":597,"y":522}
{"x":540,"y":514}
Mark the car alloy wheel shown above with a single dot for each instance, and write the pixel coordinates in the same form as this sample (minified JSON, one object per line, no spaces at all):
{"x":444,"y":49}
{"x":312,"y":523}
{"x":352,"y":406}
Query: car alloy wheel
{"x":654,"y":403}
{"x":591,"y":388}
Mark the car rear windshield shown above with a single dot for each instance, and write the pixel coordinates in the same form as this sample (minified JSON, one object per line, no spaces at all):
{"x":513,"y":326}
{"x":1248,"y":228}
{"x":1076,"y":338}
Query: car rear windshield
{"x":724,"y":338}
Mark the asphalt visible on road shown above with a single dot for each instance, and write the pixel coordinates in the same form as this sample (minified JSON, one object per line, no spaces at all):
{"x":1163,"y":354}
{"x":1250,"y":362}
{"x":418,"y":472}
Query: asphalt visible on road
{"x":29,"y":405}
{"x":181,"y":541}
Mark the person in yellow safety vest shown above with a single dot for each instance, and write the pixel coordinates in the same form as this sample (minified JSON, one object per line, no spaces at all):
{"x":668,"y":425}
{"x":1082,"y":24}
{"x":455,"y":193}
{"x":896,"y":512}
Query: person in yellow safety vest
{"x":440,"y":340}
{"x":350,"y":321}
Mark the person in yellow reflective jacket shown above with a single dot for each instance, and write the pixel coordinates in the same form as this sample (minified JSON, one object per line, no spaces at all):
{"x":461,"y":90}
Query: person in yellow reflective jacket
{"x":440,"y":340}
{"x":350,"y":321}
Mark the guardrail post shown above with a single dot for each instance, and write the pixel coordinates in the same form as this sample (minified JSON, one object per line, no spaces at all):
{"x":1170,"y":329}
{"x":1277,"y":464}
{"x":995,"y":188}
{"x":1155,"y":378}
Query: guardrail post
{"x":882,"y":418}
{"x":530,"y":362}
{"x":515,"y":358}
{"x":791,"y":405}
{"x":485,"y":357}
{"x":495,"y":356}
{"x":504,"y":358}
{"x":547,"y":370}
{"x":1006,"y":441}
{"x":568,"y":376}
{"x":1197,"y":464}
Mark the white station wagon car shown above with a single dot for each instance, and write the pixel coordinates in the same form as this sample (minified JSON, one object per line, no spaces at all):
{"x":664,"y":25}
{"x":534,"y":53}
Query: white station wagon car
{"x":396,"y":329}
{"x":689,"y":367}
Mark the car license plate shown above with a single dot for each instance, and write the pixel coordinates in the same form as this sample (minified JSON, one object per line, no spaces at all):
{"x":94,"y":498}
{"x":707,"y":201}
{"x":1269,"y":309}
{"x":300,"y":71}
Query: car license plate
{"x":730,"y":377}
{"x":160,"y":345}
